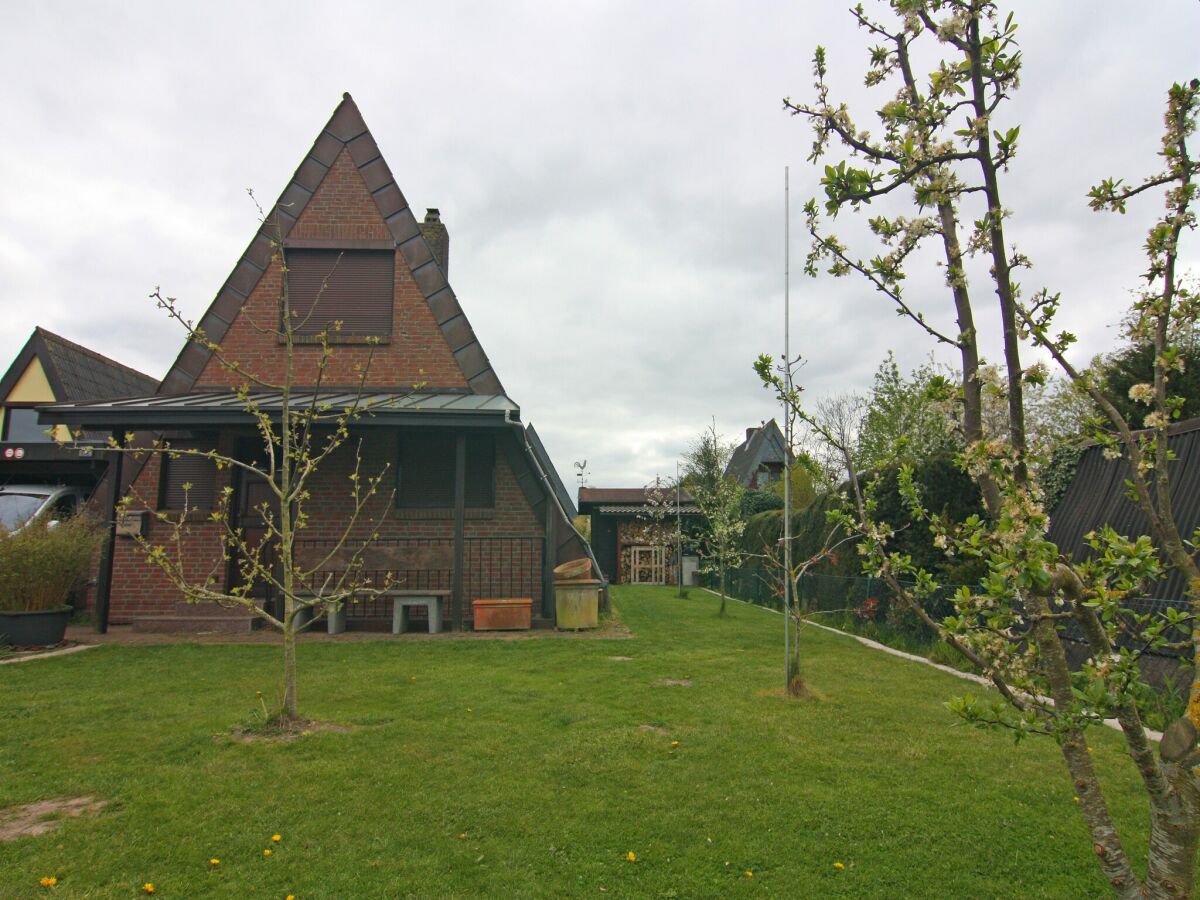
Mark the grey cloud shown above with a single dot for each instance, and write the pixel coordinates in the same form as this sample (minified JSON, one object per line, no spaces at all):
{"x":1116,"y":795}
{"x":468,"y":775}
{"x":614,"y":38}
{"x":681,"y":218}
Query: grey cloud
{"x":611,"y":175}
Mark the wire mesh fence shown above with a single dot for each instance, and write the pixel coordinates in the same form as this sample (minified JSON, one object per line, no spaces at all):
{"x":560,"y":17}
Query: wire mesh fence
{"x":866,"y":603}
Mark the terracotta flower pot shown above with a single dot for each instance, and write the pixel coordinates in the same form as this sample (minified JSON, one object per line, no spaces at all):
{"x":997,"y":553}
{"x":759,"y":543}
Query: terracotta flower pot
{"x":40,"y":628}
{"x":576,"y":568}
{"x":505,"y":614}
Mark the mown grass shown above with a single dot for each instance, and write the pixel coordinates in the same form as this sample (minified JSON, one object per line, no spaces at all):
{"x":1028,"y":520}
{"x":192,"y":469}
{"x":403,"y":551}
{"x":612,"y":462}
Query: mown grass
{"x":531,"y":768}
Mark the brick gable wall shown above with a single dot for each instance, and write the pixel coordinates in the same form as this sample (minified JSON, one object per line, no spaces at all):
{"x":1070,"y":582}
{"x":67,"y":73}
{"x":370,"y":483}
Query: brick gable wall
{"x":417,"y":352}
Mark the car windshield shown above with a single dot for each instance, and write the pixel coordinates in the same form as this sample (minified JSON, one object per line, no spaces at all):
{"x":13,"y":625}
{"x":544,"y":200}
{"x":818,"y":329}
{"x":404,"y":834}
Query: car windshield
{"x":17,"y":509}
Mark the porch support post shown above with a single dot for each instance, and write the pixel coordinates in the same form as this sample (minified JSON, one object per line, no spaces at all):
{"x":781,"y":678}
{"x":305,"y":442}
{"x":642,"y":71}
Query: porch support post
{"x":549,"y":548}
{"x":104,"y":576}
{"x":460,"y":504}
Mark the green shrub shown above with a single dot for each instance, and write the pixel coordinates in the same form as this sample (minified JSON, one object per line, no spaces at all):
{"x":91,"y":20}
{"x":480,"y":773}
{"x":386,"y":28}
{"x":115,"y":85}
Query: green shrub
{"x":40,"y":566}
{"x":755,"y":502}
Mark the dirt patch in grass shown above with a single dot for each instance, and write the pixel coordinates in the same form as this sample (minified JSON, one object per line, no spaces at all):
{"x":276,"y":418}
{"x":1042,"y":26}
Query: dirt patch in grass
{"x":653,"y":729}
{"x":44,"y":816}
{"x":275,"y":732}
{"x":673,"y":682}
{"x":621,"y":658}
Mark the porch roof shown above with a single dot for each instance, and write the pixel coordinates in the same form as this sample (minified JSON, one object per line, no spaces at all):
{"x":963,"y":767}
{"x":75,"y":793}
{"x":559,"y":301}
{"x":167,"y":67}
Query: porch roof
{"x":209,"y":408}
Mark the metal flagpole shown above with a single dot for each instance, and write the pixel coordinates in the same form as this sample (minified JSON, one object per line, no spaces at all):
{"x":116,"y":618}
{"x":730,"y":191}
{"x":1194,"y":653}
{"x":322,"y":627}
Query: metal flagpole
{"x":787,"y":426}
{"x":678,"y":536}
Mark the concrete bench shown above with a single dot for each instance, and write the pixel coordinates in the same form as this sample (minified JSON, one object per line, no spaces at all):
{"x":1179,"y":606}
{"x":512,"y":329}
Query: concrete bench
{"x":335,"y":620}
{"x":431,"y":600}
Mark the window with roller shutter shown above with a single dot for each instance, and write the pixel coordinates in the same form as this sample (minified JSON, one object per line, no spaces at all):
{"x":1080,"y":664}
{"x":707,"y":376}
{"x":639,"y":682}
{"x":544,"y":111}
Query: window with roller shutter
{"x":197,"y":471}
{"x":355,"y":287}
{"x":425,"y":471}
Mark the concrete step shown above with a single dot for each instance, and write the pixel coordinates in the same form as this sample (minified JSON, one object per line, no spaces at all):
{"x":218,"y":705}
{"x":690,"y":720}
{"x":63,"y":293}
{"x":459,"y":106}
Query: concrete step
{"x":203,"y":610}
{"x":169,"y":624}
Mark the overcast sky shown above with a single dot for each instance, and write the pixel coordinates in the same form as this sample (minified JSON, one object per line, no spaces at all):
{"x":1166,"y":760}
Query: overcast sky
{"x":611,"y":175}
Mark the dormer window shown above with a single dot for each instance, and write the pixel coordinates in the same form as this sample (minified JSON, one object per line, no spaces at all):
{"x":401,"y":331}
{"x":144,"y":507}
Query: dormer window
{"x":355,"y":287}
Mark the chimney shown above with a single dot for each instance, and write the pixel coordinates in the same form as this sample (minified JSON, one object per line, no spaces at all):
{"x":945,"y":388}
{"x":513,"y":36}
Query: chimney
{"x":437,"y":238}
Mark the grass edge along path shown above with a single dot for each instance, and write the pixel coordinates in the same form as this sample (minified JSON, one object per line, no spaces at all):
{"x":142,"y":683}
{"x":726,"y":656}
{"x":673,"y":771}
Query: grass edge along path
{"x":913,"y":657}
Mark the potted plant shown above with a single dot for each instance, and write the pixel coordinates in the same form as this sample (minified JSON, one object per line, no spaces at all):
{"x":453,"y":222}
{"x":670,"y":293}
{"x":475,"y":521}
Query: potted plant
{"x":39,"y":568}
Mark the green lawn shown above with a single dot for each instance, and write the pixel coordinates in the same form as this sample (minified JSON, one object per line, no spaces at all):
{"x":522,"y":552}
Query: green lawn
{"x":553,"y":759}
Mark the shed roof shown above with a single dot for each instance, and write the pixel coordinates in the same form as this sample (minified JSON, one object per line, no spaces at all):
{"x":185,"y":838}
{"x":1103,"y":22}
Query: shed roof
{"x":636,"y":499}
{"x":1096,"y":497}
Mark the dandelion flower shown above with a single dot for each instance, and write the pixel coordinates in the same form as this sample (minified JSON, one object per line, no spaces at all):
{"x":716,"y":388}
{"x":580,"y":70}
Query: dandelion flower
{"x":48,"y":881}
{"x":267,"y":852}
{"x":214,"y":862}
{"x":749,"y":874}
{"x":674,"y":743}
{"x":462,"y":836}
{"x":1076,"y":799}
{"x":148,"y":887}
{"x":290,"y":897}
{"x":839,"y":866}
{"x":631,"y":856}
{"x":276,"y":838}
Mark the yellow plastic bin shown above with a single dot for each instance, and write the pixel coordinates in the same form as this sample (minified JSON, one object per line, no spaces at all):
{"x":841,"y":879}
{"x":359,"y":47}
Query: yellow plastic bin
{"x":576,"y":604}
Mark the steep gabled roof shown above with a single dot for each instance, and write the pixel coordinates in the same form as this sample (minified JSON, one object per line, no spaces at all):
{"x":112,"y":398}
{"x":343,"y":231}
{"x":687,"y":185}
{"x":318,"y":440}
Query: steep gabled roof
{"x":345,"y":129}
{"x":764,"y":444}
{"x":75,"y":373}
{"x":556,"y":483}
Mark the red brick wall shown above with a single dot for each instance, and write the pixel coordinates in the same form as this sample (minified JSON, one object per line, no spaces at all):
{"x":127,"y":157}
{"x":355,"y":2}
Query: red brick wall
{"x":417,"y":352}
{"x":140,"y":587}
{"x":494,"y":568}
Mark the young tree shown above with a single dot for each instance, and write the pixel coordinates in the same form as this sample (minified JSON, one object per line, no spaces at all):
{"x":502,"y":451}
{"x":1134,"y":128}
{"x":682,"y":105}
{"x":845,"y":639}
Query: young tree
{"x":298,"y":431}
{"x":657,"y":523}
{"x":942,"y":149}
{"x":906,"y":419}
{"x":719,"y":497}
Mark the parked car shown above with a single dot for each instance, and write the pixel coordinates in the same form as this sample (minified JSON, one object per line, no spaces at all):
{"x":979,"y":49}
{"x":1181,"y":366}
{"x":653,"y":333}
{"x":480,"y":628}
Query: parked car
{"x":20,"y":504}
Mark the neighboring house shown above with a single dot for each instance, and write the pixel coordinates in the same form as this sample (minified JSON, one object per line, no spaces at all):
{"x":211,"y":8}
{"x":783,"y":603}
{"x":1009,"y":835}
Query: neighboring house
{"x":51,"y":369}
{"x":477,"y":508}
{"x":633,"y":532}
{"x":1097,"y":497}
{"x":761,"y":458}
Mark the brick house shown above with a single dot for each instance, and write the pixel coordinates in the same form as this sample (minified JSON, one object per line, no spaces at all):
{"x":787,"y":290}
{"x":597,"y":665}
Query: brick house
{"x":477,"y":507}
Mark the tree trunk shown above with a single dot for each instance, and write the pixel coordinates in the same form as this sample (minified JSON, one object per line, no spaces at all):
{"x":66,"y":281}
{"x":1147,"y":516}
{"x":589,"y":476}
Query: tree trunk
{"x":998,"y":251}
{"x":1106,"y":843}
{"x":721,"y":612}
{"x":290,"y":707}
{"x":1170,"y":868}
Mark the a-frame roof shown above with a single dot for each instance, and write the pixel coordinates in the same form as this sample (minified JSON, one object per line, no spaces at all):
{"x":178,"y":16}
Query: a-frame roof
{"x":345,"y":129}
{"x":75,"y":373}
{"x":764,"y":444}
